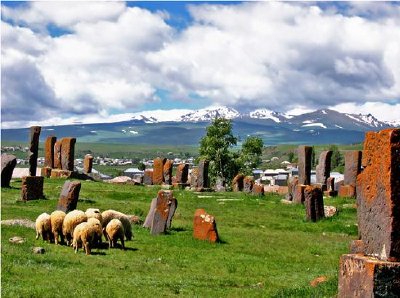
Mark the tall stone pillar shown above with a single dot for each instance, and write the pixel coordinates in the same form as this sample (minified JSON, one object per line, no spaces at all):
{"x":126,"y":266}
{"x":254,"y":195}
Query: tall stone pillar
{"x":33,"y":149}
{"x":304,"y":164}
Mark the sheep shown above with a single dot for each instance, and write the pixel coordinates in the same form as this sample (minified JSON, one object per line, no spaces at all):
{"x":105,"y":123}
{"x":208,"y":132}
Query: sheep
{"x":108,"y":215}
{"x":94,"y":212}
{"x":57,"y":219}
{"x":71,"y":220}
{"x":96,"y":224}
{"x":85,"y":233}
{"x":43,"y":227}
{"x":114,"y":231}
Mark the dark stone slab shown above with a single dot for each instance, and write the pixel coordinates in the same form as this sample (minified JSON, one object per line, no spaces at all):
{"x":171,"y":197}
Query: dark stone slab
{"x":182,"y":171}
{"x":46,"y":172}
{"x":49,"y":151}
{"x":314,"y":203}
{"x":69,"y":196}
{"x":352,"y":166}
{"x":167,"y":171}
{"x":298,"y":195}
{"x":88,"y":164}
{"x":67,"y":153}
{"x":237,"y":183}
{"x":163,"y":212}
{"x":33,"y":149}
{"x":304,"y":164}
{"x":32,"y":188}
{"x":8,"y":163}
{"x":204,"y":226}
{"x":148,"y":177}
{"x":323,"y":169}
{"x":202,"y":180}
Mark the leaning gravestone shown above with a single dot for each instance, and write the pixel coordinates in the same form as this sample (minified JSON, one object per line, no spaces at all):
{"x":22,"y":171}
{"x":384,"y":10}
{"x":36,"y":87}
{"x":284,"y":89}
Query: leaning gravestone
{"x":314,"y":203}
{"x":204,"y":226}
{"x":158,"y":170}
{"x":375,"y":270}
{"x":8,"y":163}
{"x":32,"y":188}
{"x":323,"y":169}
{"x":69,"y":196}
{"x":33,"y":149}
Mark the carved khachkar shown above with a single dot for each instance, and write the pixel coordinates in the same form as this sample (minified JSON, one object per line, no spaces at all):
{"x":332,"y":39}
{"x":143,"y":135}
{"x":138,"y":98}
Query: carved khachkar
{"x":33,"y":149}
{"x":304,"y":164}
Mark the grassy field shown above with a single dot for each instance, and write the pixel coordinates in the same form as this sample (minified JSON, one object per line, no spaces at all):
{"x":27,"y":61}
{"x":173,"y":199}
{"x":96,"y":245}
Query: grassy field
{"x":267,"y":248}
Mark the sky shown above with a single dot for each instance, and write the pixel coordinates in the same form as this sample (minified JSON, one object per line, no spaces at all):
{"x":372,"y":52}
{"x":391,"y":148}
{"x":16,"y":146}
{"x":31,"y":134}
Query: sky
{"x":92,"y":61}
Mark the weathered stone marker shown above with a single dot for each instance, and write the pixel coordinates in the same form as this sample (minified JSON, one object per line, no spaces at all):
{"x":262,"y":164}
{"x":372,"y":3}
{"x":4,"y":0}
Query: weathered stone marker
{"x":33,"y":149}
{"x":304,"y":155}
{"x":182,"y":171}
{"x":202,"y":180}
{"x":57,"y":155}
{"x":88,"y":164}
{"x":167,"y":171}
{"x":375,"y":271}
{"x":8,"y":163}
{"x":298,"y":195}
{"x":352,"y":167}
{"x":69,"y":196}
{"x":330,"y":187}
{"x":32,"y":188}
{"x":148,"y":177}
{"x":158,"y":170}
{"x":258,"y":189}
{"x":323,"y":169}
{"x":248,"y":183}
{"x":49,"y":151}
{"x":204,"y":226}
{"x":162,"y":210}
{"x":293,"y":182}
{"x":237,"y":182}
{"x":67,"y":153}
{"x":314,"y":203}
{"x":194,"y":177}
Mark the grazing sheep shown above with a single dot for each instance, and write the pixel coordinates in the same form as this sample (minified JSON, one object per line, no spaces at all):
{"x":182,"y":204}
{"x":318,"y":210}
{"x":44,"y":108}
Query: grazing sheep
{"x":43,"y":227}
{"x":96,"y":225}
{"x":115,"y":231}
{"x":95,"y":213}
{"x":108,"y":215}
{"x":85,"y":234}
{"x":57,"y":219}
{"x":71,"y":220}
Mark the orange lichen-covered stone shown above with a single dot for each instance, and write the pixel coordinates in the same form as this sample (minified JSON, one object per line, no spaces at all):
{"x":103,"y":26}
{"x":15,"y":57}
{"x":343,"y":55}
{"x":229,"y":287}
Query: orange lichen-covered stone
{"x":88,"y":164}
{"x":378,"y":193}
{"x":298,"y":194}
{"x":204,"y":226}
{"x":57,"y":155}
{"x":352,"y":166}
{"x":182,"y":171}
{"x":161,"y":212}
{"x":237,"y":182}
{"x":49,"y":151}
{"x":304,"y":155}
{"x":363,"y":276}
{"x":347,"y":191}
{"x":258,"y":190}
{"x":158,"y":170}
{"x":167,"y":171}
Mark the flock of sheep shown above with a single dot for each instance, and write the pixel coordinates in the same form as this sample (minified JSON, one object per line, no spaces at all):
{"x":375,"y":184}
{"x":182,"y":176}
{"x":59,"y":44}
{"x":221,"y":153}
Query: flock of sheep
{"x":84,"y":229}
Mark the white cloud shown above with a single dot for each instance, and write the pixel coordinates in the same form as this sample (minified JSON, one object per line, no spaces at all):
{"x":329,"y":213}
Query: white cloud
{"x":386,"y":111}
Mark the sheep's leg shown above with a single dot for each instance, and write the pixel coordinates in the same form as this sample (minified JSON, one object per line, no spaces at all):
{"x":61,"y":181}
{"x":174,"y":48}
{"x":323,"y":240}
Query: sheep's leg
{"x":37,"y":235}
{"x":55,"y":235}
{"x":122,"y":243}
{"x":87,"y":248}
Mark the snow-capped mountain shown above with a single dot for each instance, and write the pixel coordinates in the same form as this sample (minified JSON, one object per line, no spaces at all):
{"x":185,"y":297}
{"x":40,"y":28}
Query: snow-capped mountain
{"x":210,"y":113}
{"x":268,"y":114}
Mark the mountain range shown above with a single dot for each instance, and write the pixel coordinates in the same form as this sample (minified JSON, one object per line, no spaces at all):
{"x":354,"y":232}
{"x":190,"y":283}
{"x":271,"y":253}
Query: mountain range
{"x":186,"y":127}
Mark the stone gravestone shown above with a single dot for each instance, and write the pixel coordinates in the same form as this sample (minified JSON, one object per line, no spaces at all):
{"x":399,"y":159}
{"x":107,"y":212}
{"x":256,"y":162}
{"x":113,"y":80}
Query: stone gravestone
{"x":69,"y":196}
{"x":298,"y":195}
{"x":258,"y":189}
{"x":375,"y":271}
{"x":182,"y":171}
{"x":148,"y":177}
{"x":158,"y":170}
{"x":202,"y":179}
{"x":330,"y":187}
{"x":352,"y":167}
{"x":162,"y":209}
{"x":314,"y":203}
{"x":248,"y":183}
{"x":49,"y":151}
{"x":304,"y":164}
{"x":323,"y":169}
{"x":167,"y":171}
{"x":57,"y":155}
{"x":33,"y":149}
{"x":88,"y":164}
{"x":237,"y":182}
{"x":194,"y":177}
{"x":204,"y":226}
{"x":293,"y":181}
{"x":67,"y":153}
{"x":8,"y":163}
{"x":32,"y":188}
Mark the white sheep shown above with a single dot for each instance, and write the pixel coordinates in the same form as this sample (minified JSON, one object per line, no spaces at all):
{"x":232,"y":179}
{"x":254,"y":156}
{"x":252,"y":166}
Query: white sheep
{"x":57,"y":219}
{"x":94,"y":213}
{"x":71,"y":220}
{"x":97,"y":227}
{"x":85,"y":234}
{"x":43,"y":227}
{"x":108,"y":215}
{"x":114,"y":231}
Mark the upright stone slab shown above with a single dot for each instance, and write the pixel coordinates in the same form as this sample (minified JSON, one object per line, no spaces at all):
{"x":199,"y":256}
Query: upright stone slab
{"x":32,"y":188}
{"x":237,"y":183}
{"x":150,"y":215}
{"x":378,"y":195}
{"x":258,"y":190}
{"x":182,"y":171}
{"x":194,"y":177}
{"x":46,"y":172}
{"x":363,"y":276}
{"x":8,"y":163}
{"x":314,"y":203}
{"x":202,"y":181}
{"x":67,"y":153}
{"x":148,"y":177}
{"x":323,"y":169}
{"x":352,"y":166}
{"x":204,"y":226}
{"x":69,"y":196}
{"x":293,"y":181}
{"x":163,"y":212}
{"x":158,"y":170}
{"x":330,"y":187}
{"x":57,"y":155}
{"x":167,"y":171}
{"x":33,"y":149}
{"x":304,"y":164}
{"x":49,"y":151}
{"x":298,"y":194}
{"x":248,"y":183}
{"x":88,"y":164}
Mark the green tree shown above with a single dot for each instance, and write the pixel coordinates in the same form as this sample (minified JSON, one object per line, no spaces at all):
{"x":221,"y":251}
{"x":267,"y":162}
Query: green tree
{"x":141,"y":166}
{"x":336,"y":160}
{"x":313,"y":162}
{"x":291,"y":156}
{"x":215,"y":145}
{"x":250,"y":156}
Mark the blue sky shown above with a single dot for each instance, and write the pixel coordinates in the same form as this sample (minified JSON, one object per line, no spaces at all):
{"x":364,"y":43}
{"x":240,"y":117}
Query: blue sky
{"x":63,"y":62}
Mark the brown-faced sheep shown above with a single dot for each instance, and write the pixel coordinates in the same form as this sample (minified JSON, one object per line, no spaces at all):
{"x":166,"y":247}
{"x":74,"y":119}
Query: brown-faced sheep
{"x":114,"y":231}
{"x":85,"y":234}
{"x":57,"y":219}
{"x":96,"y":225}
{"x":71,"y":220}
{"x":43,"y":227}
{"x":94,"y":213}
{"x":108,"y":215}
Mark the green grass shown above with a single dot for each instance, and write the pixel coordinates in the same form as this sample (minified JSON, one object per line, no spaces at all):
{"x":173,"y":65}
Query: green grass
{"x":267,"y":248}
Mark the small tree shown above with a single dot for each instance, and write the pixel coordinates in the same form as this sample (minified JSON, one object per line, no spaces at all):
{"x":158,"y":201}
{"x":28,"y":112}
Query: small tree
{"x":336,"y":159}
{"x":250,"y":156}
